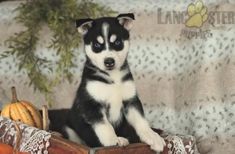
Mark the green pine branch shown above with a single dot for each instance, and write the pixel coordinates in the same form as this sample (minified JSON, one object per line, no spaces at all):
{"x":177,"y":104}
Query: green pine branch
{"x":59,"y":16}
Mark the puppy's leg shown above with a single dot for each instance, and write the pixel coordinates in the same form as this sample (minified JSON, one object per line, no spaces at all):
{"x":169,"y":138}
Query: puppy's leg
{"x":106,"y":134}
{"x":134,"y":115}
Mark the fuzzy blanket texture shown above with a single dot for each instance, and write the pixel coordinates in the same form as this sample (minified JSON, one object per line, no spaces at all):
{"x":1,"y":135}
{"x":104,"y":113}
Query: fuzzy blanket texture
{"x":181,"y":56}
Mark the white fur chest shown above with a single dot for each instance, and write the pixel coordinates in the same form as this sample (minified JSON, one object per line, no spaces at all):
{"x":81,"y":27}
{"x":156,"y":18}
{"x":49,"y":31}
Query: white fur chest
{"x":112,"y":94}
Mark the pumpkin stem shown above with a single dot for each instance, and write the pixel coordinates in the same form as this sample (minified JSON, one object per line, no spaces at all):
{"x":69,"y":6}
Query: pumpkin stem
{"x":14,"y":95}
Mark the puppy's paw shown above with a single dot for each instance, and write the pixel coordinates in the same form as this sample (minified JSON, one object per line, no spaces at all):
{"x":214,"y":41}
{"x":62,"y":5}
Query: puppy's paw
{"x":122,"y":141}
{"x":155,"y":141}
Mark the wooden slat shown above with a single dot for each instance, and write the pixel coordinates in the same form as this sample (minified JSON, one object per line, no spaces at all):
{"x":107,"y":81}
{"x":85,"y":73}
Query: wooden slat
{"x":137,"y":148}
{"x":59,"y":145}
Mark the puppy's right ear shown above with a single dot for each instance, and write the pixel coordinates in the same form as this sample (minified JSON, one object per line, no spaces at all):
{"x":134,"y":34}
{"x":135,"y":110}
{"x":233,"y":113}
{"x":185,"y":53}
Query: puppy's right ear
{"x":126,"y":20}
{"x":83,"y":25}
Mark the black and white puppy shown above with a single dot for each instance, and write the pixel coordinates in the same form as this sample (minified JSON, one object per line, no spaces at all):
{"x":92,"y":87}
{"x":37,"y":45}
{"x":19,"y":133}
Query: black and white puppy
{"x":107,"y":110}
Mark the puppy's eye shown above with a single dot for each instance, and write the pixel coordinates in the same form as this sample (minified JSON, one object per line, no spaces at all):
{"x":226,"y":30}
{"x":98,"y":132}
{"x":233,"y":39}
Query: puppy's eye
{"x":97,"y":47}
{"x":117,"y":43}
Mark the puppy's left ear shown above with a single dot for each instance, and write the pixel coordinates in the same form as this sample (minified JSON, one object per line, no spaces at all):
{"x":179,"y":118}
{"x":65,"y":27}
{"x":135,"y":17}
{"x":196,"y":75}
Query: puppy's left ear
{"x":126,"y":20}
{"x":83,"y":25}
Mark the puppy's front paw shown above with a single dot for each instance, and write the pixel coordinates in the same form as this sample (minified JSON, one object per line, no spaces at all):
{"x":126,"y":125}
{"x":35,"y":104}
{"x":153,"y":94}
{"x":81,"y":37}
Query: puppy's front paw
{"x":155,"y":141}
{"x":122,"y":141}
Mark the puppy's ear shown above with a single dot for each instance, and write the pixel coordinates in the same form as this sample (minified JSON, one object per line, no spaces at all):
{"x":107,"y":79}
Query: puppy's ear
{"x":83,"y":25}
{"x":126,"y":20}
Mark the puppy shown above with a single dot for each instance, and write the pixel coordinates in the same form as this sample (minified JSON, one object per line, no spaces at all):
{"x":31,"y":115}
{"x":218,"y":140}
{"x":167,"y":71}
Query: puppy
{"x":107,"y":110}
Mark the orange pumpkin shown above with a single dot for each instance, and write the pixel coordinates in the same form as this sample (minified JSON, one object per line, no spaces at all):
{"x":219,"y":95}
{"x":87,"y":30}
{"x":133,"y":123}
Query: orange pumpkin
{"x":22,"y":111}
{"x":5,"y":149}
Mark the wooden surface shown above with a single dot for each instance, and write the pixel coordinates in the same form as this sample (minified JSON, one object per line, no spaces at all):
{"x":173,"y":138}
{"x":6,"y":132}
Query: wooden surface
{"x":137,"y":148}
{"x":59,"y":145}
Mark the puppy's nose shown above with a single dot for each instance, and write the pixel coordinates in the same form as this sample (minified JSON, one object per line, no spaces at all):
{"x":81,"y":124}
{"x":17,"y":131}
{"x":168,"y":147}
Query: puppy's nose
{"x":109,"y":62}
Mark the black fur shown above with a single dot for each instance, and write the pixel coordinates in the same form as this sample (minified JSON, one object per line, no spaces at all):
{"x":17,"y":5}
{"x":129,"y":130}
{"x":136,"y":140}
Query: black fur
{"x":127,"y":77}
{"x":130,"y":15}
{"x":82,"y":21}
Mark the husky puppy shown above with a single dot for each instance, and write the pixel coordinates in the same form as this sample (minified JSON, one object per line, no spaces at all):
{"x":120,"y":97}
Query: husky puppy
{"x":107,"y":110}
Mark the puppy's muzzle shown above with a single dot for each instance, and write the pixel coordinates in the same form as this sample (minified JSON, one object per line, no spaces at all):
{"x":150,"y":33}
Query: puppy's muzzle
{"x":109,"y":63}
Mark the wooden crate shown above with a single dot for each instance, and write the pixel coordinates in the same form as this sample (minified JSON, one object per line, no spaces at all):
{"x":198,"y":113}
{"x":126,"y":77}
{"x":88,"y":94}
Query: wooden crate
{"x":137,"y":148}
{"x":59,"y":145}
{"x":62,"y":146}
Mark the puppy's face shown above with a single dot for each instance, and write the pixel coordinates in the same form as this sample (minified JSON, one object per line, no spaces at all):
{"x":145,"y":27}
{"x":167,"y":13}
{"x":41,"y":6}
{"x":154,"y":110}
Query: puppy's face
{"x":106,"y":40}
